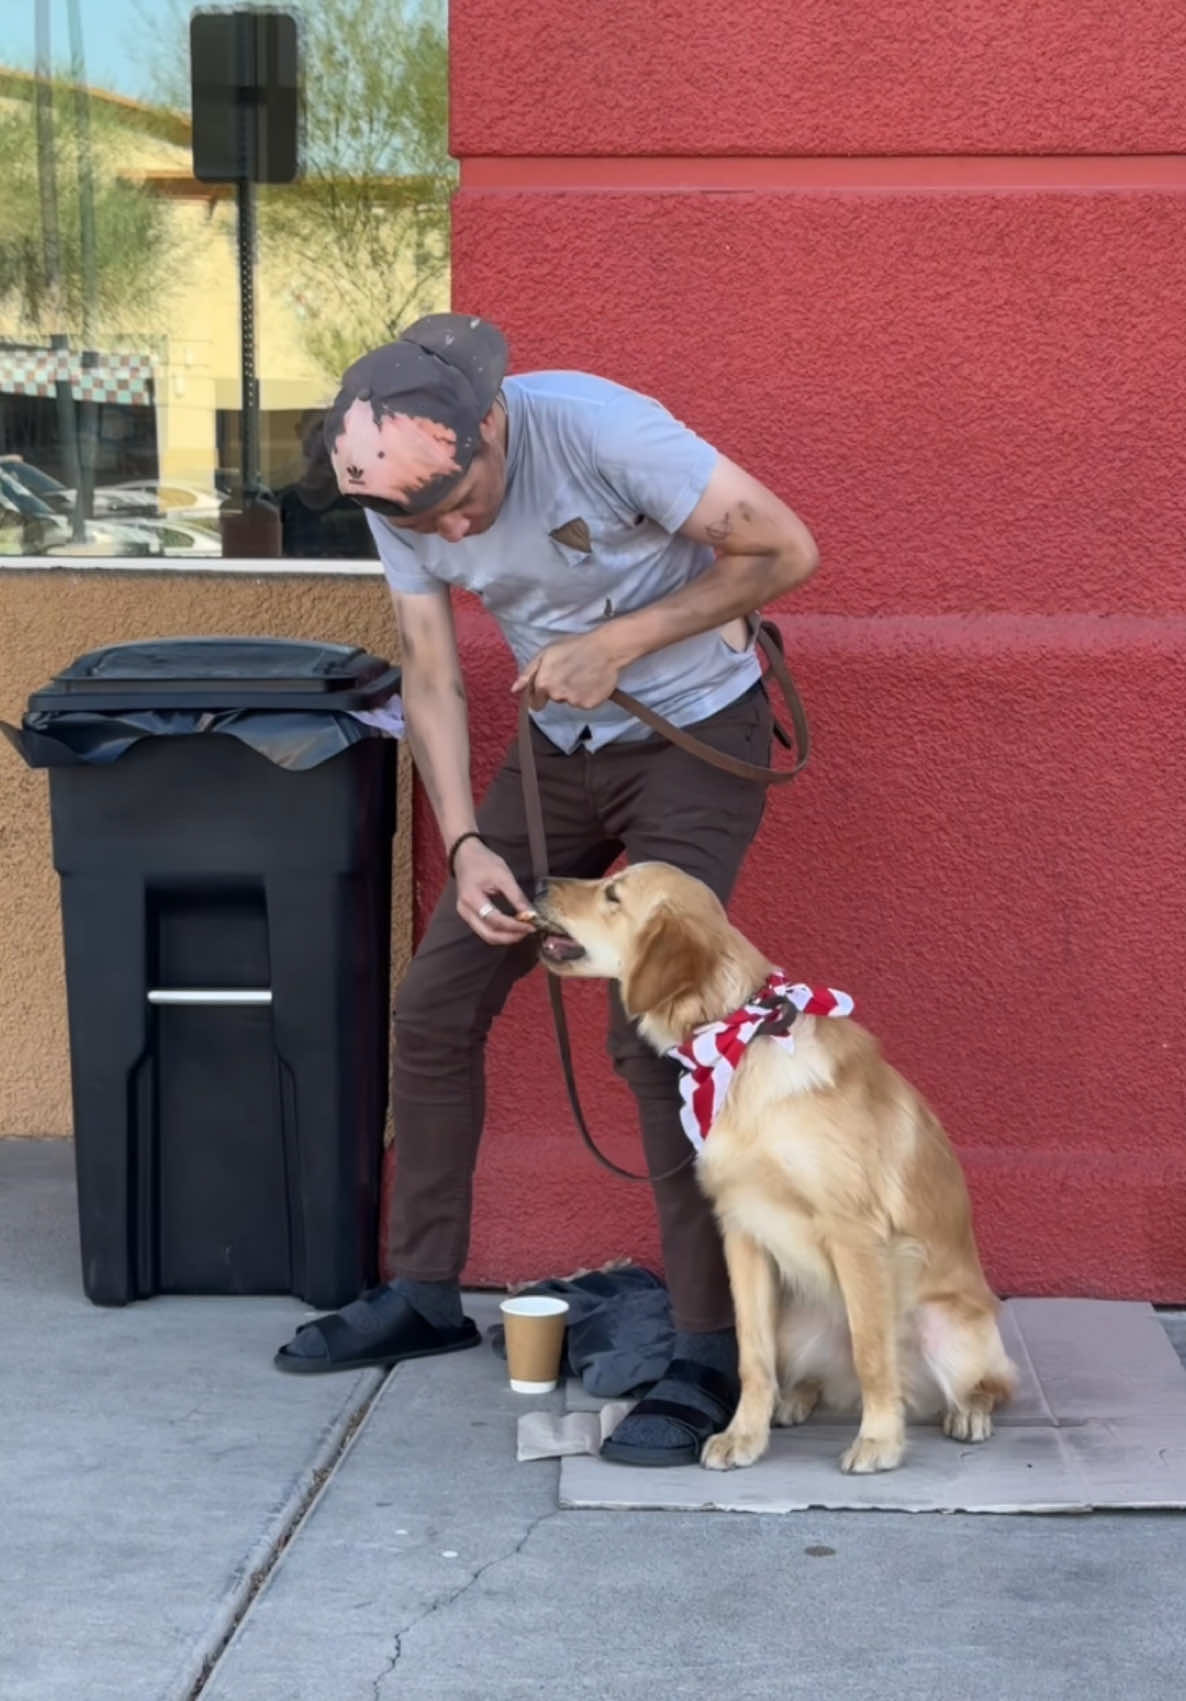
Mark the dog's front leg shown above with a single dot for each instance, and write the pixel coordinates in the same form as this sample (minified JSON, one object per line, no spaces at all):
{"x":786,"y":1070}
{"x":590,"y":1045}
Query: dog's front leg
{"x":866,"y":1281}
{"x":753,"y":1280}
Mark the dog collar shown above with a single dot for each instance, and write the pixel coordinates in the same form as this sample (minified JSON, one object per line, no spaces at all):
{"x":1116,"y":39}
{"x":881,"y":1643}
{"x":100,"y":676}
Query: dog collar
{"x":709,"y":1057}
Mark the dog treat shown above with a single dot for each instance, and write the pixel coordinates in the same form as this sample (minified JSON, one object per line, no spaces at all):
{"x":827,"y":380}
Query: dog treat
{"x":529,"y":917}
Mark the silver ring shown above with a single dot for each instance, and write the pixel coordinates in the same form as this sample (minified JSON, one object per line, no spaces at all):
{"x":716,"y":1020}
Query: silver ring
{"x":486,"y":909}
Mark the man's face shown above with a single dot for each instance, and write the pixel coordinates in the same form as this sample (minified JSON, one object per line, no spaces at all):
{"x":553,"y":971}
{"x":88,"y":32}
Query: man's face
{"x":472,"y":506}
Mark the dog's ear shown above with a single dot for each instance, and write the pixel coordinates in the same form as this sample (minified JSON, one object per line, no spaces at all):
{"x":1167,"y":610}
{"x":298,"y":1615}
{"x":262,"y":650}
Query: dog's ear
{"x":673,"y":961}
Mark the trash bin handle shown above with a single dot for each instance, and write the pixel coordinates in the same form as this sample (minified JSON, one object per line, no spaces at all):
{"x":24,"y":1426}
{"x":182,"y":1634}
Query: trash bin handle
{"x":209,"y":995}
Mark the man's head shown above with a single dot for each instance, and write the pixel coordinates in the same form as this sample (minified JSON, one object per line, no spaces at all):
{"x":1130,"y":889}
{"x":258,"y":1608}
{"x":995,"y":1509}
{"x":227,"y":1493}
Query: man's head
{"x":415,"y":433}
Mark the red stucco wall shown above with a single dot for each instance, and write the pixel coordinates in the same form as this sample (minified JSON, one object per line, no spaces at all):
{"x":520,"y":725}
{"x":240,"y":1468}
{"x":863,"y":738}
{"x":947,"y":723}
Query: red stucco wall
{"x":654,"y":77}
{"x":967,"y":372}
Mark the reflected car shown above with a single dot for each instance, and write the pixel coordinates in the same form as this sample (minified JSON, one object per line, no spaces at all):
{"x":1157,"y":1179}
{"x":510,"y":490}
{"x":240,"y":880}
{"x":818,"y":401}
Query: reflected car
{"x":160,"y":499}
{"x":179,"y":537}
{"x":29,"y":526}
{"x":59,"y":497}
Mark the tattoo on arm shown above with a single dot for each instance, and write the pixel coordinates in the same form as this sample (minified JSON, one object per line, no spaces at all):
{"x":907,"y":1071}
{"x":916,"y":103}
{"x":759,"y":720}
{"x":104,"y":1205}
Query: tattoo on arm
{"x":720,"y":529}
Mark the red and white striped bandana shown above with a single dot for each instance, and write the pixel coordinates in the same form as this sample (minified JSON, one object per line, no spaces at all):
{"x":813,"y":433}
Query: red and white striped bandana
{"x":710,"y":1057}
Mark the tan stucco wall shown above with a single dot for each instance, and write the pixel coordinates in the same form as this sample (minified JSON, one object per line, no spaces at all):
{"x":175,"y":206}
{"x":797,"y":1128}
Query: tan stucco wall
{"x":47,"y":618}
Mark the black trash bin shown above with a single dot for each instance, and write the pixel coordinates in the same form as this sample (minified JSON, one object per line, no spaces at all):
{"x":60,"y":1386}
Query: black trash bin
{"x":222,"y":826}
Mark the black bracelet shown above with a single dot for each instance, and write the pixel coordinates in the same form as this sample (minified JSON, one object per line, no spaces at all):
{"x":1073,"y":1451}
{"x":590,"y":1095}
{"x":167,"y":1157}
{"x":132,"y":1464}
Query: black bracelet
{"x":456,"y":846}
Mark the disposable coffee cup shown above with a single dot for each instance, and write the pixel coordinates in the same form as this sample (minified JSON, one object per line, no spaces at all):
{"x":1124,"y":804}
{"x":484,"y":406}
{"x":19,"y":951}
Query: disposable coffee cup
{"x":535,"y":1325}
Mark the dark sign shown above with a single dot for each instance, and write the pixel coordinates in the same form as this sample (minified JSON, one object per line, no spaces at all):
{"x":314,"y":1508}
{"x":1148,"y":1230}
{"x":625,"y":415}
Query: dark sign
{"x":246,"y":99}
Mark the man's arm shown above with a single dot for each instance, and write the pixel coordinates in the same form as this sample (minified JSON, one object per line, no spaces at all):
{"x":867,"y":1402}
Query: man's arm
{"x":435,"y":708}
{"x":438,"y":733}
{"x":763,"y":549}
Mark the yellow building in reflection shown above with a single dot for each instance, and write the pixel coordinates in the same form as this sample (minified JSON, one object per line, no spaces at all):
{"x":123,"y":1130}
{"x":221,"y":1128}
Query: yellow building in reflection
{"x":167,"y":377}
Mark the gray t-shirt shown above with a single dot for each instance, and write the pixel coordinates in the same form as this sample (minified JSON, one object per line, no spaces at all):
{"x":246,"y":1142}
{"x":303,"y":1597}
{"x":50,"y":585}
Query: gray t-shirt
{"x":615,"y":475}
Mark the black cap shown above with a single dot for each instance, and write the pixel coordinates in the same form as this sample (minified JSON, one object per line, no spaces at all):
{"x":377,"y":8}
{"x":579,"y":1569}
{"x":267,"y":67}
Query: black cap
{"x":406,"y":422}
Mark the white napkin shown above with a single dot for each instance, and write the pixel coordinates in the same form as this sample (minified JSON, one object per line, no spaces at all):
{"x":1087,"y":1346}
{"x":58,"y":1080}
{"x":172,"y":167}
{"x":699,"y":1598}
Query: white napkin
{"x":388,"y":717}
{"x":553,"y":1435}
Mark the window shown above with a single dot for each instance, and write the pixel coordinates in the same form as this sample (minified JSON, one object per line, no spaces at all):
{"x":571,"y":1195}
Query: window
{"x":121,"y":422}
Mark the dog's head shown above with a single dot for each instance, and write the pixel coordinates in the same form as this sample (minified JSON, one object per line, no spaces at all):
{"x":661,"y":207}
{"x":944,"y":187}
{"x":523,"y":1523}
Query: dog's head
{"x":664,"y":938}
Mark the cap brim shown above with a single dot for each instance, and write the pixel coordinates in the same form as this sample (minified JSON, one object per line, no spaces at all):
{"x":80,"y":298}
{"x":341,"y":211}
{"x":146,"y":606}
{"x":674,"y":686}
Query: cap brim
{"x":418,"y":503}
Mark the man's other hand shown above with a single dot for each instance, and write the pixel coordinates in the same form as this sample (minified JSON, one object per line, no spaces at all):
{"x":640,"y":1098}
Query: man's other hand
{"x":483,"y":877}
{"x":578,"y":671}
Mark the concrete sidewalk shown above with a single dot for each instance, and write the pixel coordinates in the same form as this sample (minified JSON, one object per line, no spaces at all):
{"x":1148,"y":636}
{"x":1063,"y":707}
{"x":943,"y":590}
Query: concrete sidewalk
{"x":181,"y":1520}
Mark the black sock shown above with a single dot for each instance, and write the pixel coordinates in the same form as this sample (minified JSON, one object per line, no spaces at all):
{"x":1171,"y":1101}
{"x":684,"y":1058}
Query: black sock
{"x":439,"y":1303}
{"x":716,"y":1348}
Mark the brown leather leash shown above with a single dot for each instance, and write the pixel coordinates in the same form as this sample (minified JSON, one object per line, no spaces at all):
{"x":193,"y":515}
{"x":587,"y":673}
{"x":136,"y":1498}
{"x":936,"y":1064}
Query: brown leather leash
{"x":769,"y":638}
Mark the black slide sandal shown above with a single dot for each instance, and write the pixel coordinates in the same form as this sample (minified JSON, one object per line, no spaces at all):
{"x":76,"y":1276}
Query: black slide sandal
{"x":347,"y":1348}
{"x":721,"y":1391}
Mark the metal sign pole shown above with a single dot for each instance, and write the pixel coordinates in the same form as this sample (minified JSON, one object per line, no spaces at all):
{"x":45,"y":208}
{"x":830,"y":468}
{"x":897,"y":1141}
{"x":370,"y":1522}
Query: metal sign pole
{"x":247,"y":150}
{"x":245,"y":194}
{"x":244,"y":74}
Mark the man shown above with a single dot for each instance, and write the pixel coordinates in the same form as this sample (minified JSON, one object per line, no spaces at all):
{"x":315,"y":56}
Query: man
{"x":610,"y":543}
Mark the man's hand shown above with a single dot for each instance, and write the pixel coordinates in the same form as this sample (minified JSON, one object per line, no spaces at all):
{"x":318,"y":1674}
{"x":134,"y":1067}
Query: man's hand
{"x":482,"y":876}
{"x":580,"y":671}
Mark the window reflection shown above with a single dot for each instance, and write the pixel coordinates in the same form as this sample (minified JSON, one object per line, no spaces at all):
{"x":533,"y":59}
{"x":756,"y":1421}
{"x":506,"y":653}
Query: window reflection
{"x":120,"y":421}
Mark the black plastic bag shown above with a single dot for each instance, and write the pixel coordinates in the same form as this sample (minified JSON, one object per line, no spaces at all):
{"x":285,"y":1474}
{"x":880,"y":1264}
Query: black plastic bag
{"x":295,"y":739}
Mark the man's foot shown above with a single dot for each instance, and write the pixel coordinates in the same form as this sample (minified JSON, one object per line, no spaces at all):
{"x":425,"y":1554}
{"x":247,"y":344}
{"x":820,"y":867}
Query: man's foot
{"x":694,"y":1400}
{"x":383,"y":1327}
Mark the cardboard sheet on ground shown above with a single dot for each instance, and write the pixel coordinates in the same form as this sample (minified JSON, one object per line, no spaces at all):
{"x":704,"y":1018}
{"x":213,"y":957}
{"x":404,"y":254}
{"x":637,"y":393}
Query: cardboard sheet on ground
{"x":1099,"y":1422}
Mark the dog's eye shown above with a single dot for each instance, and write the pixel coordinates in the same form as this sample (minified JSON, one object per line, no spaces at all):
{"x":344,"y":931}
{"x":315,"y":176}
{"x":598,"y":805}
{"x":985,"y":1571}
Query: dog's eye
{"x":611,"y":895}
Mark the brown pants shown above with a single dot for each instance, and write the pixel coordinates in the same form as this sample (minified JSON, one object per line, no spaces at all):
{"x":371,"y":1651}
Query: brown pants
{"x":657,"y":804}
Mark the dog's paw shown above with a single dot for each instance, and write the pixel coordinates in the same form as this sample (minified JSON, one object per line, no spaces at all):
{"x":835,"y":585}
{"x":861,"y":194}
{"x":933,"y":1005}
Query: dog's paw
{"x":870,"y":1453}
{"x":797,"y":1404}
{"x":968,"y":1425}
{"x":732,"y":1449}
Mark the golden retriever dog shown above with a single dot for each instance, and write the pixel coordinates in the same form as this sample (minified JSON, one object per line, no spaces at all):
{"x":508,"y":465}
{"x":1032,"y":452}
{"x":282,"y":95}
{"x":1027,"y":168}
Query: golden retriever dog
{"x":846,"y":1222}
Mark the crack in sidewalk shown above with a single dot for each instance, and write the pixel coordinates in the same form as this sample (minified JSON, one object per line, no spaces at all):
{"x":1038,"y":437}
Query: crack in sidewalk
{"x":447,"y":1601}
{"x":252,"y":1582}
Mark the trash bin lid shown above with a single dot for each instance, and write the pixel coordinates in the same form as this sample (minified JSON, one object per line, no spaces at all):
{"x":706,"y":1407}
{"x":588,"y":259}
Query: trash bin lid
{"x":220,"y":673}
